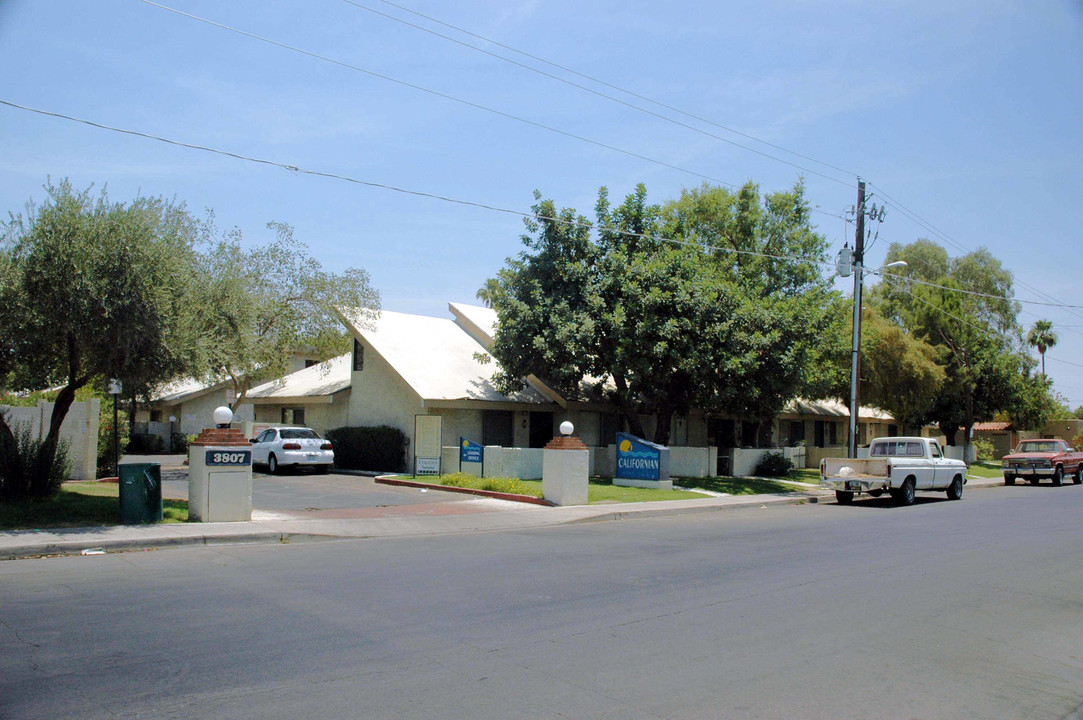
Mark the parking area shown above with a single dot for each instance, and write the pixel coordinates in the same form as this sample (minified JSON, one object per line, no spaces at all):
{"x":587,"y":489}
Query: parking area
{"x":306,"y":494}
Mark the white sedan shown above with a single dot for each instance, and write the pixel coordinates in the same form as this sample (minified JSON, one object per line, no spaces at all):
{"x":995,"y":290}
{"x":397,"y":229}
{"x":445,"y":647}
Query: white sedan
{"x":279,"y":447}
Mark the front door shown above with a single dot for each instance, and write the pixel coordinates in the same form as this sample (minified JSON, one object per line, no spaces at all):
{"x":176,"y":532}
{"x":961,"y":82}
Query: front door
{"x":541,"y":429}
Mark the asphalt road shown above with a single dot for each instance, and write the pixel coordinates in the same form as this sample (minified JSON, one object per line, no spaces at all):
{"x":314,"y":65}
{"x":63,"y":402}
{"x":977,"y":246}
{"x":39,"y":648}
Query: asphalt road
{"x":970,"y":609}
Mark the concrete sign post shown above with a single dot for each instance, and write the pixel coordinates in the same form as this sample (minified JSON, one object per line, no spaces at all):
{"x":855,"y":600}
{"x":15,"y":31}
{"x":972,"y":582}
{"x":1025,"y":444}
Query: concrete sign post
{"x":641,"y":463}
{"x":565,"y":469}
{"x":220,"y":473}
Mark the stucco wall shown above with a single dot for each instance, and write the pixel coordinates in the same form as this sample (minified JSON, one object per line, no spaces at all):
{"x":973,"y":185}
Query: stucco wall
{"x":321,"y":416}
{"x":194,"y":415}
{"x":380,"y":397}
{"x":79,"y":430}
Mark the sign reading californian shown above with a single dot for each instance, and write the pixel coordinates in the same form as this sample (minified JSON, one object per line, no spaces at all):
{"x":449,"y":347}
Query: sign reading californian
{"x":638,"y":459}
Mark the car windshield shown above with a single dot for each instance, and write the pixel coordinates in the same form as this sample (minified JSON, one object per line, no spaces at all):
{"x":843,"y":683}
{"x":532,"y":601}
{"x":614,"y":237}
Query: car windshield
{"x":298,"y":434}
{"x":1047,"y":446}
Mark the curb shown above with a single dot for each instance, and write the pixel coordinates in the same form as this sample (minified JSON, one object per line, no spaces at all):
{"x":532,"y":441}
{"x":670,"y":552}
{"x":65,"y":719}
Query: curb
{"x":71,"y":548}
{"x":761,"y":501}
{"x":392,"y":480}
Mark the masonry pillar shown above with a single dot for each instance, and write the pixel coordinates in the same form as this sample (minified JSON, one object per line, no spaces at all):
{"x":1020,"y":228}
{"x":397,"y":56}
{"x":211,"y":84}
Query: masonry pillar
{"x":565,"y":469}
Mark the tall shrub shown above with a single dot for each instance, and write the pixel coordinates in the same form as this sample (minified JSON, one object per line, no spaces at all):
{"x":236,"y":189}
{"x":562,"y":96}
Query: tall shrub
{"x":17,"y":482}
{"x":369,"y":448}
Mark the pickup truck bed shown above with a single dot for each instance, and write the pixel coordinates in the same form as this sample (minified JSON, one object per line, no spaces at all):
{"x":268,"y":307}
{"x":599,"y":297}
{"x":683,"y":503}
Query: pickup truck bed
{"x":898,"y":465}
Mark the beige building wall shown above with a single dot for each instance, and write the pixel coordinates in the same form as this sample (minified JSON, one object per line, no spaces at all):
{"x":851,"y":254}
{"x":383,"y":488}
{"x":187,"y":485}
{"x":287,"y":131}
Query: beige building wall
{"x":321,"y":416}
{"x":197,"y":414}
{"x":379,"y":396}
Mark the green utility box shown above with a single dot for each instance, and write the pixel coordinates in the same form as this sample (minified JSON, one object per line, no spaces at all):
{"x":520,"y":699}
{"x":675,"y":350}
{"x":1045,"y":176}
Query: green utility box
{"x":140,"y":493}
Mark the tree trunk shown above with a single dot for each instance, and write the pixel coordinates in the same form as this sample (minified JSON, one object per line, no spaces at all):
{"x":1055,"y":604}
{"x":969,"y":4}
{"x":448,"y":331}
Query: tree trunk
{"x":627,"y":408}
{"x":43,"y":461}
{"x":662,"y":427}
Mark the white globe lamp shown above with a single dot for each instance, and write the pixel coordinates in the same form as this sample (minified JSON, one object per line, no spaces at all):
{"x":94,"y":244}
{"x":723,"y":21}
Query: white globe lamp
{"x":566,"y":428}
{"x":223,"y":416}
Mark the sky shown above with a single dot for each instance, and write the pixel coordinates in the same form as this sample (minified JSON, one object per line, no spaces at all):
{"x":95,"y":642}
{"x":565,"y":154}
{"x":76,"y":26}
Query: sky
{"x":964,"y":118}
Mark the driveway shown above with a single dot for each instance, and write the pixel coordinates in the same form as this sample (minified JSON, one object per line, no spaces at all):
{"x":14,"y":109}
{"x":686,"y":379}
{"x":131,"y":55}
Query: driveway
{"x":305,"y":494}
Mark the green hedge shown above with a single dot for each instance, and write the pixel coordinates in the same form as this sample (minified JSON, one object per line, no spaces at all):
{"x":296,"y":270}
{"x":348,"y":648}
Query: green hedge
{"x":369,"y":448}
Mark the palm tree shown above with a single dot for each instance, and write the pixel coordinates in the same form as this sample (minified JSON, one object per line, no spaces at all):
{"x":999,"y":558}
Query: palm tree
{"x":1042,"y":337}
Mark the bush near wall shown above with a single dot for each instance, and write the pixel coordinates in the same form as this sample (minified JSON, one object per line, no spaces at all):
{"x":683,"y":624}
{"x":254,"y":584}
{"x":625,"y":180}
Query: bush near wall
{"x":369,"y":448}
{"x":774,"y":464}
{"x":984,"y":449}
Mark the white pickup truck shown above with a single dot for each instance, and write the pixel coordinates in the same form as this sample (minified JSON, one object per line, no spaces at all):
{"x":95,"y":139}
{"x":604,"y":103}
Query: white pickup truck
{"x":900,"y":465}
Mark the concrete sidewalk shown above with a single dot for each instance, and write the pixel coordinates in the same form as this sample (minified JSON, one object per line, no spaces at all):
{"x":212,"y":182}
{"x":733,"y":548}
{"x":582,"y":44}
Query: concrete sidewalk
{"x":488,"y":515}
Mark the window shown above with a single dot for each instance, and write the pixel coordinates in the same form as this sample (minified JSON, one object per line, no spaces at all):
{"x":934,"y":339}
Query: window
{"x":541,"y":429}
{"x":293,"y":416}
{"x":797,"y":431}
{"x":833,"y":433}
{"x":358,"y":356}
{"x":299,"y":434}
{"x":155,"y":415}
{"x":935,"y":449}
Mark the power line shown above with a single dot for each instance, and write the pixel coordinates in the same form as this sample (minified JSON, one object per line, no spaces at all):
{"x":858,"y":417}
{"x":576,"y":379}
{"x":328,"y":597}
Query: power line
{"x":417,"y":193}
{"x":446,"y":96}
{"x":913,"y":216}
{"x":601,"y":94}
{"x":469,"y":203}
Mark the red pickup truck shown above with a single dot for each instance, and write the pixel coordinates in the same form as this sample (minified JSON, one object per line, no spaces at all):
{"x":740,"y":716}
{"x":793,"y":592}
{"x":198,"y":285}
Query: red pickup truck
{"x":1039,"y":458}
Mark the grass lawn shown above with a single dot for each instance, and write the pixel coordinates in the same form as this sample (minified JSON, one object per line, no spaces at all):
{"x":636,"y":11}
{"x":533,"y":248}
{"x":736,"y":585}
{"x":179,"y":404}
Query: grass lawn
{"x":744,"y":486}
{"x":986,"y":469}
{"x":601,"y":490}
{"x":82,"y":504}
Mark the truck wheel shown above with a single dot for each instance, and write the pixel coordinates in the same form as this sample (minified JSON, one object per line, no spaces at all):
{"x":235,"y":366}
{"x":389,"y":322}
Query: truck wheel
{"x":844,"y":497}
{"x":1009,"y":479}
{"x":904,"y":495}
{"x":955,"y":490}
{"x":1034,"y":480}
{"x":1078,"y":475}
{"x":1058,"y":476}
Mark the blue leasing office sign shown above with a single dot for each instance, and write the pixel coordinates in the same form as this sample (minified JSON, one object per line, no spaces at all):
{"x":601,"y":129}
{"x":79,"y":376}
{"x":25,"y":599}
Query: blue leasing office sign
{"x":470,"y":451}
{"x":638,"y":459}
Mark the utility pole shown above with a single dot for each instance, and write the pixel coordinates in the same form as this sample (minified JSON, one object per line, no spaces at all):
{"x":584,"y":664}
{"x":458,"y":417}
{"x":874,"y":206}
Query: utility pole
{"x":859,"y":273}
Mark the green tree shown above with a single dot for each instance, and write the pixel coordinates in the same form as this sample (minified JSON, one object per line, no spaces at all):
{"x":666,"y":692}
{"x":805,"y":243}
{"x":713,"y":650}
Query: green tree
{"x":1041,"y":336}
{"x":964,"y":307}
{"x":91,"y":289}
{"x":265,"y":303}
{"x":663,"y":326}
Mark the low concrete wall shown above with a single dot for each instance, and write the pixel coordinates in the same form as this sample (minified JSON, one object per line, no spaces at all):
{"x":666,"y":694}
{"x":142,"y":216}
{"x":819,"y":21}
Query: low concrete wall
{"x":743,"y":461}
{"x":79,"y":431}
{"x":955,"y":452}
{"x":523,"y":463}
{"x":698,"y":462}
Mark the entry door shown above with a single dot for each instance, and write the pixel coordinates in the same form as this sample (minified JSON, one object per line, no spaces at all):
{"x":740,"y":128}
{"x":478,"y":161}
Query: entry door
{"x":541,"y":429}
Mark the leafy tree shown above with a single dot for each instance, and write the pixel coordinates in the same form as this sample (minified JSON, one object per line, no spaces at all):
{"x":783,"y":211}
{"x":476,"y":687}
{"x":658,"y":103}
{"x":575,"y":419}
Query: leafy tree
{"x":672,"y":325}
{"x":967,"y":312}
{"x":90,"y":289}
{"x":1041,"y":336}
{"x":265,"y":303}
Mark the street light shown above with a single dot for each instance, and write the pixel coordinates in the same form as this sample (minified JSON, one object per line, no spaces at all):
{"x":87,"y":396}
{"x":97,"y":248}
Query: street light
{"x":172,"y":419}
{"x":115,"y":388}
{"x":855,"y":353}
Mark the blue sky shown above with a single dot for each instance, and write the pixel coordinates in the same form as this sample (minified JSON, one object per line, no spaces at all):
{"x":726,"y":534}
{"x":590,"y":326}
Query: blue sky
{"x":966,"y":113}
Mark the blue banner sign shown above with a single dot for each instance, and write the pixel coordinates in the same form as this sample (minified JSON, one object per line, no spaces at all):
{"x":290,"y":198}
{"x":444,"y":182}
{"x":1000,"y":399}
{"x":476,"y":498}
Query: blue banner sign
{"x":638,"y":459}
{"x":470,"y":451}
{"x":238,"y":458}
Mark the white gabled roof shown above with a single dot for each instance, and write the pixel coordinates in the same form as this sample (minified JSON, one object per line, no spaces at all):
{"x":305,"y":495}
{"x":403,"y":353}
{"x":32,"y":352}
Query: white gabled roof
{"x":832,"y":408}
{"x":184,"y":389}
{"x":323,"y":379}
{"x":436,"y":357}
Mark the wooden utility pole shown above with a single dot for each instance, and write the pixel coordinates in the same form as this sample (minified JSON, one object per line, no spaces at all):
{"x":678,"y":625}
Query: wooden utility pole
{"x":855,"y":355}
